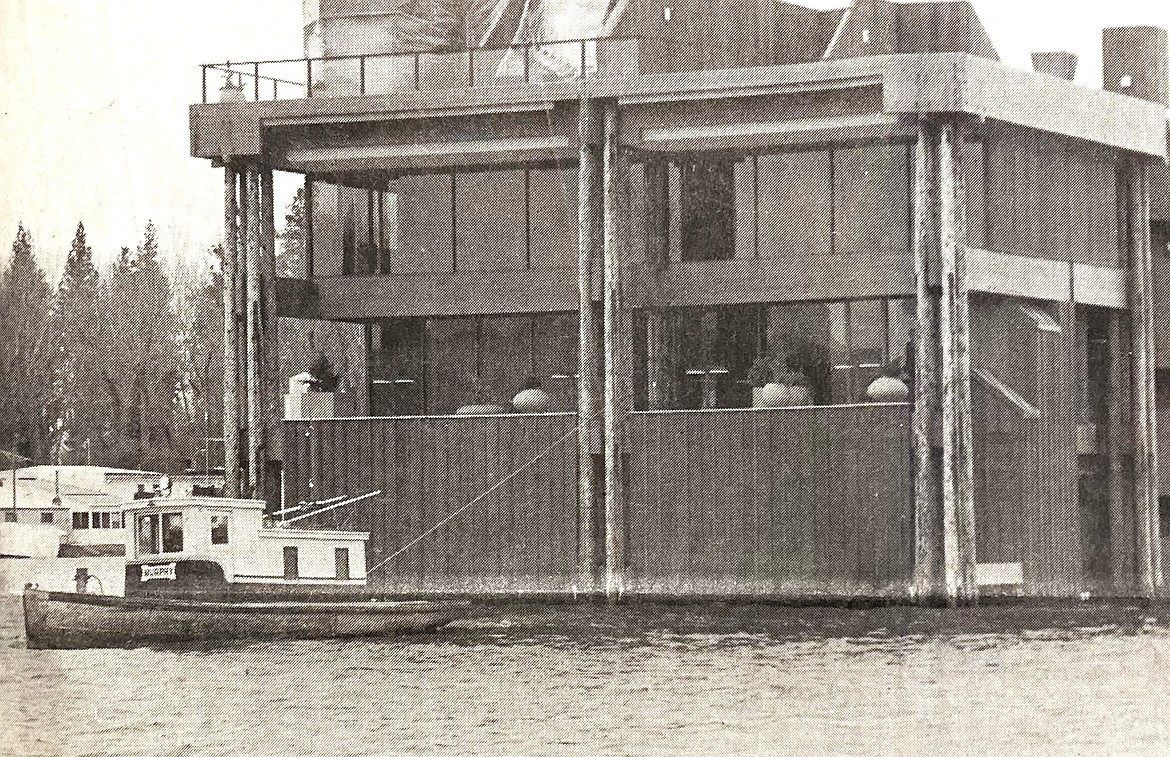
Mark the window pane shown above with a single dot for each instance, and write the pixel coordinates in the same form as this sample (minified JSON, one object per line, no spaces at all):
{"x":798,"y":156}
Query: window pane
{"x":452,"y":365}
{"x":172,"y":532}
{"x":554,"y":354}
{"x":327,"y":230}
{"x":46,"y":517}
{"x":96,"y":519}
{"x":424,"y":224}
{"x":552,"y":211}
{"x":148,"y":535}
{"x":396,"y":367}
{"x":871,"y":199}
{"x":489,"y":221}
{"x":868,"y":340}
{"x":796,"y":204}
{"x":798,"y":337}
{"x":505,"y":350}
{"x":80,"y":520}
{"x":219,"y":529}
{"x":708,"y":209}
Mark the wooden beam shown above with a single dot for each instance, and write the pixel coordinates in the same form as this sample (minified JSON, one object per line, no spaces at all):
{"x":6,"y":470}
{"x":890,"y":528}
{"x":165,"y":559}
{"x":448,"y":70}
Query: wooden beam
{"x":959,"y":83}
{"x":757,"y":134}
{"x":957,"y":468}
{"x":927,"y":490}
{"x":1145,"y":450}
{"x":269,"y":337}
{"x":615,"y":349}
{"x":231,"y":337}
{"x":588,"y":428}
{"x":1121,"y":530}
{"x":253,"y":373}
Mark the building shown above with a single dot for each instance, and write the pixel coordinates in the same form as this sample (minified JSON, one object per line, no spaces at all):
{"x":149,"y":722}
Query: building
{"x":647,"y":213}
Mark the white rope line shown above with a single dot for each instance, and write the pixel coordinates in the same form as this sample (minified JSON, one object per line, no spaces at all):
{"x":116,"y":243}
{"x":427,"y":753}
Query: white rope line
{"x":494,"y":486}
{"x":349,"y":501}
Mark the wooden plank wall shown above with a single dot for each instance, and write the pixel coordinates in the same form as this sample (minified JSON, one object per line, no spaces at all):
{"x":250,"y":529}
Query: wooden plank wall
{"x":779,"y":503}
{"x":1050,"y":197}
{"x":520,"y":538}
{"x":1026,"y":470}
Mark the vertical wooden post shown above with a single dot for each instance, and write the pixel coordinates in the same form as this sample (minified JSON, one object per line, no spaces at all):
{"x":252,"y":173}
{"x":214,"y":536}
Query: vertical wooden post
{"x":252,"y":329}
{"x":957,"y":475}
{"x":231,"y":336}
{"x":927,"y":515}
{"x":588,"y":195}
{"x":269,"y":341}
{"x":615,"y":350}
{"x":243,"y":399}
{"x":1121,"y":546}
{"x":1145,"y":451}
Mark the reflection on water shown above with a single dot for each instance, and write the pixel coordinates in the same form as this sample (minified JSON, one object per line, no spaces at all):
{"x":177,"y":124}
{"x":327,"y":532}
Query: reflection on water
{"x":638,"y":680}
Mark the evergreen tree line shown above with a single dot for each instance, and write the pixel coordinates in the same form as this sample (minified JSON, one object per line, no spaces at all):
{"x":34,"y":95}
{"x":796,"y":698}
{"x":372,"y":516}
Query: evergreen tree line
{"x":120,"y":366}
{"x":123,"y":366}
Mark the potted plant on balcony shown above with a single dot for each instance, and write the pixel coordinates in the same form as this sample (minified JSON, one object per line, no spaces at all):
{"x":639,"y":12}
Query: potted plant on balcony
{"x":481,"y":401}
{"x":890,"y":386}
{"x":532,"y":398}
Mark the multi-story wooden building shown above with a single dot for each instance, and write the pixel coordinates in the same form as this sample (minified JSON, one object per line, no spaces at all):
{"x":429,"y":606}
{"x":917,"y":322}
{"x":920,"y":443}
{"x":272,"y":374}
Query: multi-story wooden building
{"x":649,"y":205}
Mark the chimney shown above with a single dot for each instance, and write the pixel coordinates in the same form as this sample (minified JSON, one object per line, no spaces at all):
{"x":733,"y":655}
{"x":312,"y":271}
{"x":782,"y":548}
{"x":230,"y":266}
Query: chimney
{"x":1136,"y":63}
{"x":1060,"y":64}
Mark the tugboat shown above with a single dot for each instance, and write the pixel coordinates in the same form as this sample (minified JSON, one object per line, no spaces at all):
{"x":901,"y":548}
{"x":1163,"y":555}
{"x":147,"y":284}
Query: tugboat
{"x":208,"y":569}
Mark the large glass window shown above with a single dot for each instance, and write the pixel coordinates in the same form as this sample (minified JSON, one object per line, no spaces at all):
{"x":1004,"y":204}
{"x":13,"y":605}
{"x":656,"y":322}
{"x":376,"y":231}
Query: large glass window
{"x":703,"y":358}
{"x":172,"y":532}
{"x":147,"y":529}
{"x":437,"y":365}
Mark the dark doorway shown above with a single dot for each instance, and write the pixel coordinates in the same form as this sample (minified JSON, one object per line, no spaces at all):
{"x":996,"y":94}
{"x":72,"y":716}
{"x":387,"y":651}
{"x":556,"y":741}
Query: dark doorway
{"x":292,"y":567}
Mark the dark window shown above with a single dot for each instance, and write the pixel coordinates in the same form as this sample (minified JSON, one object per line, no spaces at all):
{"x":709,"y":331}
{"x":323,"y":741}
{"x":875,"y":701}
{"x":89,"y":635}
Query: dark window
{"x":707,"y":207}
{"x":46,"y":517}
{"x":95,"y":520}
{"x":105,"y":520}
{"x":396,"y":367}
{"x":80,"y":520}
{"x":9,"y":516}
{"x":219,"y":529}
{"x":292,"y":568}
{"x":341,"y":563}
{"x":172,"y":532}
{"x":148,"y":535}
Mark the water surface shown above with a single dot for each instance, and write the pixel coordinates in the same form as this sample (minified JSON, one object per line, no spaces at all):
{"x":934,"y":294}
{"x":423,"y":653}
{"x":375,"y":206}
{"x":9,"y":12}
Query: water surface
{"x":638,"y":680}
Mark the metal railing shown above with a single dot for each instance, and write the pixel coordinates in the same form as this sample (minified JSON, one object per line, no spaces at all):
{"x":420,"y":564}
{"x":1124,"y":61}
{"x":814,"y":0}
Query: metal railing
{"x":385,"y":73}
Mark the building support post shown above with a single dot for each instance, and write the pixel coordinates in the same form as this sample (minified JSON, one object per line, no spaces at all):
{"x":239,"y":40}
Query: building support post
{"x":958,"y":502}
{"x":252,"y":327}
{"x":588,"y":368}
{"x":1121,"y":531}
{"x":269,"y":346}
{"x":616,"y":347}
{"x":927,"y":490}
{"x":231,"y":337}
{"x":1145,"y":438}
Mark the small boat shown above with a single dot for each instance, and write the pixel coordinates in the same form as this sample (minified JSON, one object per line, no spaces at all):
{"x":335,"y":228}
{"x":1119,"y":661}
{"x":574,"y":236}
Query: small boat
{"x":67,"y":620}
{"x":202,"y":569}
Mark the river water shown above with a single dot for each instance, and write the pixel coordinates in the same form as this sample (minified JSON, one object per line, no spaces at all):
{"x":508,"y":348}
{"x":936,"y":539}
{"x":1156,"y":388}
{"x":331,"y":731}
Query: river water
{"x":692,"y":679}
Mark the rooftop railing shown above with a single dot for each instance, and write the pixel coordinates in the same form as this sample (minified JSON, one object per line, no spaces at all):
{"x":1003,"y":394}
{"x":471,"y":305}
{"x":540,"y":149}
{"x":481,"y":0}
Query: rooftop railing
{"x":386,"y":73}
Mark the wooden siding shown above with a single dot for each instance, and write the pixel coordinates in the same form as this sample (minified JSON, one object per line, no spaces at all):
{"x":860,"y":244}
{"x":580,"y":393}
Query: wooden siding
{"x":786,"y":502}
{"x":1026,"y":469}
{"x":1051,"y":197}
{"x":520,"y":538}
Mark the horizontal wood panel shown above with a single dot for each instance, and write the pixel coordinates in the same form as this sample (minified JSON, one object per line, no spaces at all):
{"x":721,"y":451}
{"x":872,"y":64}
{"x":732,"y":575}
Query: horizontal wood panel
{"x":519,"y":537}
{"x":545,"y":290}
{"x":774,"y":502}
{"x":781,"y":279}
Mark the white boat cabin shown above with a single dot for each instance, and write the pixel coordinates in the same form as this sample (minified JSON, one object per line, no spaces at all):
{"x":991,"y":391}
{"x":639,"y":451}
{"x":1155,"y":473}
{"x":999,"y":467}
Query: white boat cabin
{"x":209,"y":543}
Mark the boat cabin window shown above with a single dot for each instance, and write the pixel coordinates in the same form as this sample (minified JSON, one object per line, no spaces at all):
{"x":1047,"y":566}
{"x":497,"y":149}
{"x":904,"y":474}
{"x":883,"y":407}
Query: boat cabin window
{"x":219,"y":529}
{"x":172,"y":532}
{"x":80,"y":520}
{"x":148,"y":536}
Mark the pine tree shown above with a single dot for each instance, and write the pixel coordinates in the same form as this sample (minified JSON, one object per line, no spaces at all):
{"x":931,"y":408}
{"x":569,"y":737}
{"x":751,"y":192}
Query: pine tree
{"x":291,"y":255}
{"x":77,"y":330}
{"x":25,"y":353}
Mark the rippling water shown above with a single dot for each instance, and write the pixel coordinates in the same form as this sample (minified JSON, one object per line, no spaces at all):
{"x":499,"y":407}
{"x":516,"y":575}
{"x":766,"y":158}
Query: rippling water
{"x":638,"y":680}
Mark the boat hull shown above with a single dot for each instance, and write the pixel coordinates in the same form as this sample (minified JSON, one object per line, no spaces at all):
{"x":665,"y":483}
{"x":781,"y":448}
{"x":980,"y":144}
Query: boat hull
{"x":59,"y":620}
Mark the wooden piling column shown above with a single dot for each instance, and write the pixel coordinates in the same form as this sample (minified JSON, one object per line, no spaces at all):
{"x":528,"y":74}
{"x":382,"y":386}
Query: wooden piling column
{"x":927,"y":514}
{"x":588,"y":427}
{"x":231,"y":336}
{"x":958,"y":504}
{"x":252,"y":326}
{"x":269,"y":341}
{"x":615,"y":351}
{"x":1145,"y":451}
{"x":1121,"y":532}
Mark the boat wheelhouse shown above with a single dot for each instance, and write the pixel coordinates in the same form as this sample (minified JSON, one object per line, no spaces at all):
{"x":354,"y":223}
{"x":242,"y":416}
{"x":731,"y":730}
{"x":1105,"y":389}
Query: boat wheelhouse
{"x":668,"y":227}
{"x":212,"y":546}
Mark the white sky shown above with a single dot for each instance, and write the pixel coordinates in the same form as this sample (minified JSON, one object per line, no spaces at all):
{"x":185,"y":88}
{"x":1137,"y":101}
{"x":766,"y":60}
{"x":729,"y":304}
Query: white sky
{"x":94,"y":96}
